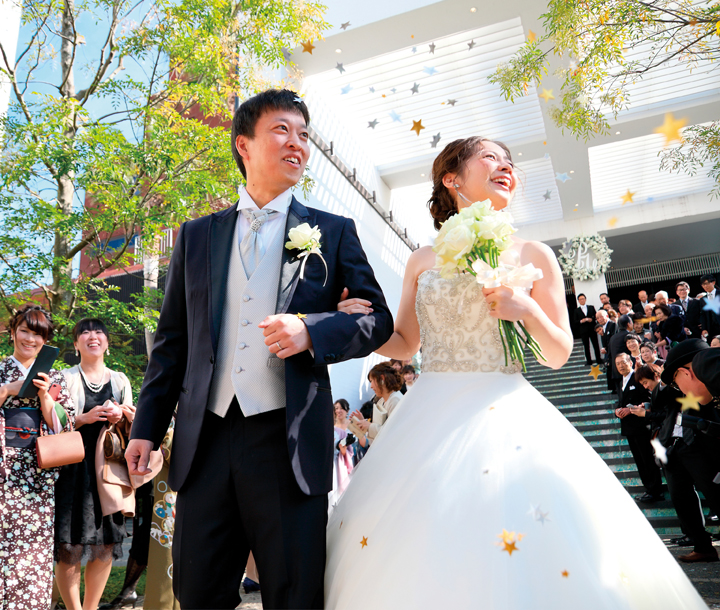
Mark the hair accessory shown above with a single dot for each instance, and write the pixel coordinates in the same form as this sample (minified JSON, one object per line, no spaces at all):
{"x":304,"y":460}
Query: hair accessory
{"x":298,"y":100}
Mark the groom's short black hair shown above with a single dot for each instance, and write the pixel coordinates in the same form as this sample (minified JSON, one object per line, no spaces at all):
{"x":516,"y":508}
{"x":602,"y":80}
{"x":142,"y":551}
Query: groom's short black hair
{"x":247,"y":115}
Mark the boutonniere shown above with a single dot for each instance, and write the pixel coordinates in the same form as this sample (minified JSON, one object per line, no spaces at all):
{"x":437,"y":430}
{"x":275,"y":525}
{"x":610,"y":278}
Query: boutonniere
{"x":306,"y":238}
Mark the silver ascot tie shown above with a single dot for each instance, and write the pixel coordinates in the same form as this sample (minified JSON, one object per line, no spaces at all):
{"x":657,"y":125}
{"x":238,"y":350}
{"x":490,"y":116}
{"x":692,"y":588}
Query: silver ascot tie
{"x":251,"y":248}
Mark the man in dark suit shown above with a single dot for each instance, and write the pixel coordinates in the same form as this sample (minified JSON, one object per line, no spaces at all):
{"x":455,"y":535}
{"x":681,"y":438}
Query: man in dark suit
{"x":585,"y":319}
{"x":693,"y":459}
{"x":616,"y":346}
{"x":246,"y":332}
{"x":643,"y":301}
{"x":637,"y":430}
{"x":702,"y":322}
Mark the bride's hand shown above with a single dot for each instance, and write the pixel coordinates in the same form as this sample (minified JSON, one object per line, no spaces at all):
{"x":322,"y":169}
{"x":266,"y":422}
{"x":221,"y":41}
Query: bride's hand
{"x":350,"y":306}
{"x":506,"y":304}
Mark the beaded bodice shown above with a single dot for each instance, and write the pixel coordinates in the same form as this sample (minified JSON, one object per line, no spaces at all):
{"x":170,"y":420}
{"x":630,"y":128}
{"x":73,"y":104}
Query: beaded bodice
{"x":456,"y":332}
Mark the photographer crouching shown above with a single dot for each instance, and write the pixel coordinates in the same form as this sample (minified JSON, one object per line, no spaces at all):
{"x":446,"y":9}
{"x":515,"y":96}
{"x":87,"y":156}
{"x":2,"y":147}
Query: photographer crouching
{"x":692,"y":440}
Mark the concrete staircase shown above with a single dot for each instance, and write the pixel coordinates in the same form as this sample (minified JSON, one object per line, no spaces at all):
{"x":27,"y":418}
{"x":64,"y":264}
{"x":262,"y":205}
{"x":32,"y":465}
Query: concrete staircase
{"x":589,"y":406}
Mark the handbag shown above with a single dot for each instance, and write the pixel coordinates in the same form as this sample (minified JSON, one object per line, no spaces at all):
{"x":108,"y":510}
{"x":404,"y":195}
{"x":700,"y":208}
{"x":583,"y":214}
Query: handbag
{"x":55,"y":450}
{"x":114,"y":444}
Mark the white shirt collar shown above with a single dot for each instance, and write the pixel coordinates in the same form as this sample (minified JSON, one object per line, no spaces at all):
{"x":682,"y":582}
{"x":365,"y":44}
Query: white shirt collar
{"x":280,"y":204}
{"x":19,"y":365}
{"x":626,"y":379}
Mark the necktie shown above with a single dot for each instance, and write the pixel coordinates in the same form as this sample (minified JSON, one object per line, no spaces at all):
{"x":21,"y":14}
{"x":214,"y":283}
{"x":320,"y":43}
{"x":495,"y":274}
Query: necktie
{"x":684,"y":304}
{"x":251,"y":249}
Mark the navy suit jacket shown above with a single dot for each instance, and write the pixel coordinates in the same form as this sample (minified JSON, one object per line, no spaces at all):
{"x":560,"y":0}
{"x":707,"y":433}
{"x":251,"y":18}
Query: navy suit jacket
{"x":182,"y":361}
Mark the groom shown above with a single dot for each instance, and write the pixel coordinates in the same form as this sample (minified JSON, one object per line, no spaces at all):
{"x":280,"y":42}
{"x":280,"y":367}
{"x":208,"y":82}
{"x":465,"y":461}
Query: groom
{"x":246,"y":333}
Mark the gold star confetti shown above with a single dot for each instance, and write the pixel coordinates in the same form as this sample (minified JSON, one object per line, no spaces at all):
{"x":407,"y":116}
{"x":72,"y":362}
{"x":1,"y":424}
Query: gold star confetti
{"x":417,"y":126}
{"x":302,"y":316}
{"x":509,"y":540}
{"x":307,"y":47}
{"x":648,"y":320}
{"x":689,"y":402}
{"x":363,"y":542}
{"x":491,"y":409}
{"x":671,"y":128}
{"x":531,"y":36}
{"x":594,"y":371}
{"x":510,"y":547}
{"x":547,"y":95}
{"x":627,"y":197}
{"x":613,"y":221}
{"x":565,"y":573}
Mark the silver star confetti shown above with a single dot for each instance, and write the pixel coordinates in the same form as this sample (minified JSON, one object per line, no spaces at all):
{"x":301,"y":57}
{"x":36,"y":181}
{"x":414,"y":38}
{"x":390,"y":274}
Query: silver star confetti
{"x":340,"y":67}
{"x":471,"y":44}
{"x":345,"y":25}
{"x":415,"y":88}
{"x":373,"y":123}
{"x":547,"y":195}
{"x":430,"y":70}
{"x":435,"y":140}
{"x":432,"y":48}
{"x":452,"y":102}
{"x":395,"y":117}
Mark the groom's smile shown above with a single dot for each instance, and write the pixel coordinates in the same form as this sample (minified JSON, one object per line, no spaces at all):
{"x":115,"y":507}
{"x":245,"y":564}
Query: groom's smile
{"x":276,"y":155}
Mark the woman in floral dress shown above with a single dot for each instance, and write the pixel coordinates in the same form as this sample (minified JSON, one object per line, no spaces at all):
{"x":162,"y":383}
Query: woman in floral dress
{"x":27,"y":493}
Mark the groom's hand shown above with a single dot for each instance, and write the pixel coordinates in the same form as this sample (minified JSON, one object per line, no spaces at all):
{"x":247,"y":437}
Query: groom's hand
{"x":285,"y":335}
{"x":137,"y":456}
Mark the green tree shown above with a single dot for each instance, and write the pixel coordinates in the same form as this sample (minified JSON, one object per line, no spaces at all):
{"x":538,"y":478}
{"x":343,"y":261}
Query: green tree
{"x":117,"y":128}
{"x":598,"y":48}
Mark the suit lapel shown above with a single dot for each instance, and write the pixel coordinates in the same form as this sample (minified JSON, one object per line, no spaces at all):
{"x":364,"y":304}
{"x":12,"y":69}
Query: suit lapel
{"x":220,"y":242}
{"x":290,"y":272}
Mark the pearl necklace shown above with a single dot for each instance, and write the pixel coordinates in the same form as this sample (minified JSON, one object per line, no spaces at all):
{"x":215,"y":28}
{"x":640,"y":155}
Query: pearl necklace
{"x":93,"y":387}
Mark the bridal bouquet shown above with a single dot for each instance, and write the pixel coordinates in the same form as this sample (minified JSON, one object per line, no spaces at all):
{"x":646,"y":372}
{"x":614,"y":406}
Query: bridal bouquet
{"x":476,"y":240}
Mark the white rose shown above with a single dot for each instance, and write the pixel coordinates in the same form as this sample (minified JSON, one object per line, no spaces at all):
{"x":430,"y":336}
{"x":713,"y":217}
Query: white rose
{"x":459,"y":241}
{"x":303,"y":236}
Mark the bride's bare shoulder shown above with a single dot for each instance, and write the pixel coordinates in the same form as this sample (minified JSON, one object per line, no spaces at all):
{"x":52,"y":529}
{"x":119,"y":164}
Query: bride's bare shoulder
{"x":420,"y":260}
{"x":533,"y":251}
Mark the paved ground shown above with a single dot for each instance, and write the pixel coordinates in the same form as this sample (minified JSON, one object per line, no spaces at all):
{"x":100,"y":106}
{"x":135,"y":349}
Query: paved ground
{"x":705,"y":577}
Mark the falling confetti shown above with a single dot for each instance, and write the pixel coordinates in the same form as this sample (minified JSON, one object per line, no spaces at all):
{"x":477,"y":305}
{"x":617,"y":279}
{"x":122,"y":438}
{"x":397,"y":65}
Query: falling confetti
{"x":452,"y":102}
{"x":364,"y":542}
{"x":372,"y":89}
{"x":538,"y":514}
{"x":562,"y":177}
{"x":373,"y":123}
{"x":712,"y":305}
{"x":689,"y":402}
{"x":432,"y":48}
{"x":301,"y":316}
{"x":594,"y":371}
{"x":471,"y":44}
{"x":417,"y":126}
{"x":308,"y":47}
{"x":395,"y":117}
{"x":346,"y":89}
{"x":613,"y":221}
{"x":547,"y":95}
{"x":415,"y":88}
{"x":287,"y":54}
{"x":340,"y":67}
{"x":531,"y":36}
{"x":509,"y":540}
{"x":435,"y":140}
{"x":345,"y":25}
{"x":547,"y":195}
{"x":565,"y":573}
{"x":429,"y":70}
{"x":627,"y":197}
{"x":660,"y":451}
{"x":671,"y":128}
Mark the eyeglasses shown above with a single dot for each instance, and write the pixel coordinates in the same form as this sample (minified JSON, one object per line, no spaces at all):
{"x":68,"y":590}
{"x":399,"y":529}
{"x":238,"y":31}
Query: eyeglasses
{"x":673,"y":384}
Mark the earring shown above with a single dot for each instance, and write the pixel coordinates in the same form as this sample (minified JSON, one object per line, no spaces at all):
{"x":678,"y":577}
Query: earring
{"x":76,"y":353}
{"x":107,"y":352}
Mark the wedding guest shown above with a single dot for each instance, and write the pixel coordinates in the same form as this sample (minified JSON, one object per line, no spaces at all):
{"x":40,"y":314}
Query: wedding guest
{"x":27,"y":492}
{"x":102,"y":396}
{"x":617,"y":345}
{"x":585,"y":319}
{"x":669,"y":327}
{"x":682,"y":289}
{"x":625,"y":307}
{"x":343,"y":452}
{"x":632,"y":342}
{"x":409,"y":375}
{"x":715,"y":341}
{"x":613,"y":315}
{"x":386,"y":382}
{"x":605,"y":301}
{"x":648,"y":352}
{"x":635,"y":430}
{"x":653,"y":411}
{"x":661,"y":298}
{"x":707,"y":282}
{"x":643,"y":302}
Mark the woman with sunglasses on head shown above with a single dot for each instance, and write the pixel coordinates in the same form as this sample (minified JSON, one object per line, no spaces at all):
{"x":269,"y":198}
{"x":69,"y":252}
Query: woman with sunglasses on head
{"x":476,"y":481}
{"x":27,"y":492}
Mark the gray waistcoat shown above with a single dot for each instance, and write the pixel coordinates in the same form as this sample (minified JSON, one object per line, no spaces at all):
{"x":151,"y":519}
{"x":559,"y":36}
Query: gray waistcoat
{"x":244,"y":366}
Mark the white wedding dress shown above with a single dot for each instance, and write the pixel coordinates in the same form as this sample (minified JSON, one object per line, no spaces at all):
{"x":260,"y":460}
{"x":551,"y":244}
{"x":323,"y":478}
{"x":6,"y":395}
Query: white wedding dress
{"x":478,"y":493}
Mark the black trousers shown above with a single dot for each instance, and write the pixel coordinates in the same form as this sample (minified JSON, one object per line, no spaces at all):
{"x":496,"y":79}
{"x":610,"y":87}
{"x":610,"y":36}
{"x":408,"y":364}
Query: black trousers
{"x":687,"y":469}
{"x":241,"y":496}
{"x":645,"y":460}
{"x":144,"y":499}
{"x":586,"y":339}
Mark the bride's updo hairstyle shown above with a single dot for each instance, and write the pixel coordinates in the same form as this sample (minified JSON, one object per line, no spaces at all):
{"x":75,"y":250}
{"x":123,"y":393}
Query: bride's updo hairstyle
{"x":452,"y":160}
{"x":386,"y":376}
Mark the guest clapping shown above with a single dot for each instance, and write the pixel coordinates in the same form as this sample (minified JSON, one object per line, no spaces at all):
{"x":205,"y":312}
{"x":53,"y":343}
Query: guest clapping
{"x":386,"y":382}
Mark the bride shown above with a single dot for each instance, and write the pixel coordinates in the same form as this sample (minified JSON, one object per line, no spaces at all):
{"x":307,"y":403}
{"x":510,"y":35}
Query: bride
{"x":477,"y":492}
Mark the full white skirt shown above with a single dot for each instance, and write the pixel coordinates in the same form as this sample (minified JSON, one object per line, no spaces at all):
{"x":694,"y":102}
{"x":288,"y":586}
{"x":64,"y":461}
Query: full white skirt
{"x":465,"y":456}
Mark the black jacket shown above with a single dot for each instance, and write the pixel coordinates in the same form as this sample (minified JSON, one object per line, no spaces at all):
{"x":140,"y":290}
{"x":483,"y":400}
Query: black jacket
{"x":616,"y":345}
{"x":633,"y":394}
{"x":586,"y":328}
{"x":183,"y":357}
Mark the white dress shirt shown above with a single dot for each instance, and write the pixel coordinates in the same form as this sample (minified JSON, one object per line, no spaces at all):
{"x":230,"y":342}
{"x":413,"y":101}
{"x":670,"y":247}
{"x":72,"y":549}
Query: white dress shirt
{"x":626,"y":379}
{"x":276,"y":222}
